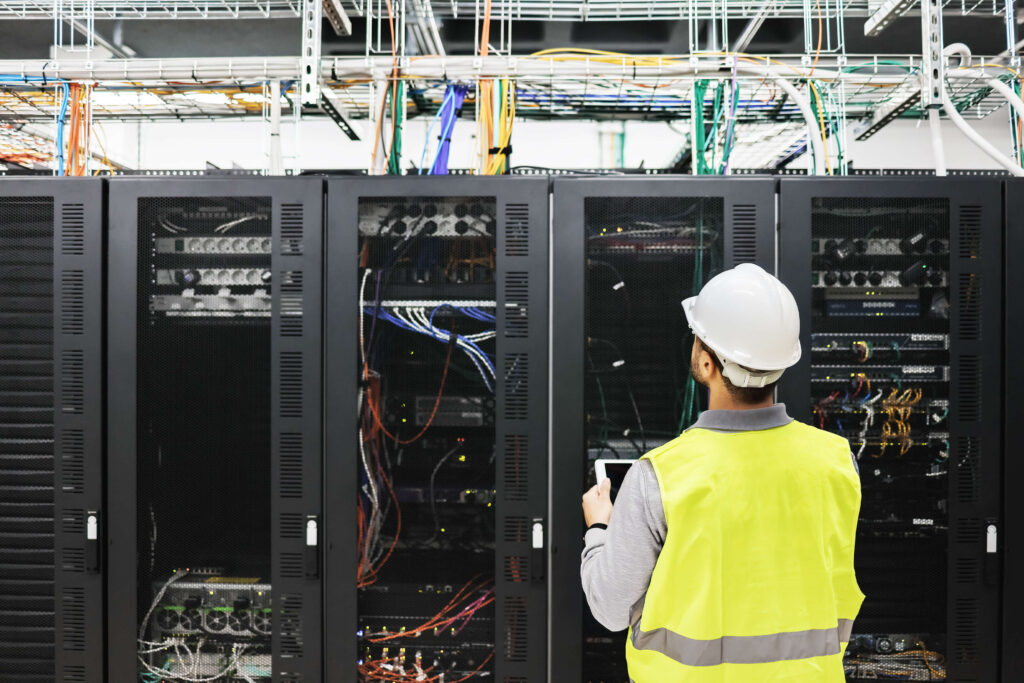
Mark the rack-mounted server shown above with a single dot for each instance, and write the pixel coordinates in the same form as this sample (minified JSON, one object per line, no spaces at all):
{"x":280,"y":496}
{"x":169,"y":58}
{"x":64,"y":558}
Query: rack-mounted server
{"x":436,"y":407}
{"x":899,"y":287}
{"x":626,"y":252}
{"x":51,"y":411}
{"x":214,"y":429}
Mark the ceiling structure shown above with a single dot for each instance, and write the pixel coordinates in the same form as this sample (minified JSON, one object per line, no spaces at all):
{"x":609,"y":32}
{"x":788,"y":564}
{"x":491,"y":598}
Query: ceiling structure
{"x":211,"y":59}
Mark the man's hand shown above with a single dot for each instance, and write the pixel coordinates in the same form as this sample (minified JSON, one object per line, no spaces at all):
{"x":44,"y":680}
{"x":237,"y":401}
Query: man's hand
{"x":597,"y":503}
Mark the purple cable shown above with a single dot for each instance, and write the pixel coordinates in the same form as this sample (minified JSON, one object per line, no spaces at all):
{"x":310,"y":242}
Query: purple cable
{"x":373,"y":325}
{"x":474,"y":607}
{"x":732,"y":120}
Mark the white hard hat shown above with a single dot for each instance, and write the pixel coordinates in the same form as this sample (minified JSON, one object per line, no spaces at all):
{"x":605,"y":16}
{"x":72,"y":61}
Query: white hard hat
{"x":750,"y":321}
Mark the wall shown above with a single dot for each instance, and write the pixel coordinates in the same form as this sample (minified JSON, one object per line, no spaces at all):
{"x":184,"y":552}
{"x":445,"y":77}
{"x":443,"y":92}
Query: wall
{"x":559,"y":144}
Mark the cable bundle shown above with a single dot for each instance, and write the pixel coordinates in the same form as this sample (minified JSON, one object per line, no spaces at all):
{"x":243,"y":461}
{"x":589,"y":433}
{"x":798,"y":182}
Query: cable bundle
{"x":379,"y":496}
{"x":455,"y":615}
{"x":415,"y":319}
{"x":77,"y":152}
{"x":451,"y":107}
{"x":394,"y":94}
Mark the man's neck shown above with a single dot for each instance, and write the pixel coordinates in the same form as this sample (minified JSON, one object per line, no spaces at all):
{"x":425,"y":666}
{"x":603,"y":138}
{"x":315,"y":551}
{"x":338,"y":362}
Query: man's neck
{"x":720,"y":399}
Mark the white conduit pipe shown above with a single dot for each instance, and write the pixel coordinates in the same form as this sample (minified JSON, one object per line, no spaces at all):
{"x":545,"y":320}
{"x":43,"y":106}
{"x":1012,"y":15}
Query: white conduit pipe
{"x":814,"y":139}
{"x":973,"y":135}
{"x":964,"y":52}
{"x":1011,"y":97}
{"x":938,"y":153}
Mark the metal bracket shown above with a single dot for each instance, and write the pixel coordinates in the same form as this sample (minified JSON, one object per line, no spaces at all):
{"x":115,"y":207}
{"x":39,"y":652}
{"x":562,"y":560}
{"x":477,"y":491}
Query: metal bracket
{"x":885,"y":14}
{"x":933,"y":72}
{"x":334,"y":112}
{"x":883,"y":116}
{"x":338,"y":17}
{"x":312,"y":11}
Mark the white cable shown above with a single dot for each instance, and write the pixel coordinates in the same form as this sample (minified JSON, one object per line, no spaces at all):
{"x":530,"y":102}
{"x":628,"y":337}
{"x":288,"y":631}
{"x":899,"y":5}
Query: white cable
{"x":362,"y":314}
{"x":416,"y":318}
{"x":813,"y":129}
{"x":938,"y":153}
{"x":1011,"y":97}
{"x":960,"y":50}
{"x":973,"y":135}
{"x":964,"y":53}
{"x":156,"y":601}
{"x":374,"y":500}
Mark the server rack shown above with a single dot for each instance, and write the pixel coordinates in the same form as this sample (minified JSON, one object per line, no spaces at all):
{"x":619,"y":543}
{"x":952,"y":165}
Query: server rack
{"x":215,"y":428}
{"x":900,"y":324}
{"x":1012,"y":545}
{"x":460,"y":450}
{"x":638,"y":246}
{"x":51,"y":448}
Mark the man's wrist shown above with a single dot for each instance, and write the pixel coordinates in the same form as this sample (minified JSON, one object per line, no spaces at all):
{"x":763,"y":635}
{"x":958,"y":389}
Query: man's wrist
{"x":597,"y":525}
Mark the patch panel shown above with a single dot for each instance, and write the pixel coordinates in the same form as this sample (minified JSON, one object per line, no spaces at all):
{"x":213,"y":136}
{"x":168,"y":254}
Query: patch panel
{"x":214,"y":245}
{"x":917,"y":274}
{"x":435,"y":217}
{"x":842,"y":249}
{"x":258,"y":304}
{"x":214,"y":277}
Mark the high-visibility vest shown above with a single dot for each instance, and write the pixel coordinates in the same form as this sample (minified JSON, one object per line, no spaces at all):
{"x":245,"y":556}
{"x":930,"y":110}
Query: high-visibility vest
{"x":755,"y":582}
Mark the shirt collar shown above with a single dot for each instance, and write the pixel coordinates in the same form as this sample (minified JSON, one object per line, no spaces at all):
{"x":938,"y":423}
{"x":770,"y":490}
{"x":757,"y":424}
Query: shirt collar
{"x":743,"y":420}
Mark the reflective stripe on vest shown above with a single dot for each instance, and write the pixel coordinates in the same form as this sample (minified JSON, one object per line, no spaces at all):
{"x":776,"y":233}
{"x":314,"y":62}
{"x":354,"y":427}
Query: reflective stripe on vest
{"x":775,"y":647}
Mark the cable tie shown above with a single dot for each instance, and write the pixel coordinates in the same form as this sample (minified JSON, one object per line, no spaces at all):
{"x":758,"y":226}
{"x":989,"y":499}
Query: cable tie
{"x":504,"y":151}
{"x":619,"y":285}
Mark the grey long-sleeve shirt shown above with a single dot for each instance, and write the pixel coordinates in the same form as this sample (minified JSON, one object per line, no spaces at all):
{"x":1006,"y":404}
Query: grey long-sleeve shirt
{"x":618,"y":561}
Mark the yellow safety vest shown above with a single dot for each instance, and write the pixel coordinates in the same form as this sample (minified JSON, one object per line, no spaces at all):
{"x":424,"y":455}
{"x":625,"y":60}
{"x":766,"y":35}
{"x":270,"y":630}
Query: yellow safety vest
{"x":755,"y":582}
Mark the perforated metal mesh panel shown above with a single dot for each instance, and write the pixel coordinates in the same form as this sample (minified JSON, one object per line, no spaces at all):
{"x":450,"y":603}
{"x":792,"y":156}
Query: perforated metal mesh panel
{"x":881,"y":281}
{"x":26,"y":439}
{"x":204,"y":395}
{"x":901,"y":313}
{"x":427,"y":435}
{"x":50,"y":412}
{"x":450,"y":433}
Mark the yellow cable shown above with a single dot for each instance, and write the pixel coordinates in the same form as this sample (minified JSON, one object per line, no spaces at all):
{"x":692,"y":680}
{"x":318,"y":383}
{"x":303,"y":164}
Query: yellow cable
{"x":821,"y":123}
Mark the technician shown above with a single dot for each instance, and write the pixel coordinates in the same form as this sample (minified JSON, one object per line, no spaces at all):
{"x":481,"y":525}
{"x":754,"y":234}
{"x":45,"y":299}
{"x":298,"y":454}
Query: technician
{"x":730,"y":552}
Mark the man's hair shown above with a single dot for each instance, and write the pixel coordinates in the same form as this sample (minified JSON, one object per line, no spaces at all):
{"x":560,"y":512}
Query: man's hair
{"x":746,"y":395}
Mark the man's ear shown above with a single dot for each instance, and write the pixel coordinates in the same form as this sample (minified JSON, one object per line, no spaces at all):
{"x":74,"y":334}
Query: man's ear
{"x":706,"y":364}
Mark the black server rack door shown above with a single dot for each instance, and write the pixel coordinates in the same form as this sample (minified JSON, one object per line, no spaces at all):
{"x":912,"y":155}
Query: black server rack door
{"x":521,"y":439}
{"x":78,"y":430}
{"x":1012,"y":545}
{"x":214,"y":336}
{"x":51,"y":249}
{"x":899,"y":286}
{"x":625,"y":254}
{"x":341,"y":396}
{"x":436,"y":419}
{"x":296,"y":430}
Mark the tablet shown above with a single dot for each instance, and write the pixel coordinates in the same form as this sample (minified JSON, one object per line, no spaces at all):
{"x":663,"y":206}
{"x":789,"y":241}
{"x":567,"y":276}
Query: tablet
{"x":614,"y":470}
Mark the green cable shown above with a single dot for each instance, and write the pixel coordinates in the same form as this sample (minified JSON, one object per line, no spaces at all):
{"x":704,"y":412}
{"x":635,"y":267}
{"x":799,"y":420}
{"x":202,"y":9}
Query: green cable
{"x":880,"y":62}
{"x":699,"y":88}
{"x":397,"y":92}
{"x":714,"y":129}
